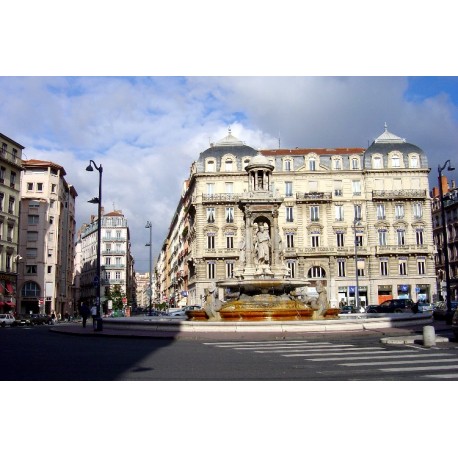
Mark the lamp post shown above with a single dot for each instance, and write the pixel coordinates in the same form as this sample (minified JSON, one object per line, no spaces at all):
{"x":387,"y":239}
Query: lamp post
{"x":150,"y":244}
{"x":98,"y":200}
{"x":355,"y":223}
{"x":444,"y":238}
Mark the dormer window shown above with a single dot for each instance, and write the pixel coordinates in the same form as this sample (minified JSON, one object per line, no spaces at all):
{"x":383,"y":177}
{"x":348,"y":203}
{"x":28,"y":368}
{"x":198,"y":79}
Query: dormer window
{"x":395,"y":161}
{"x":337,"y":163}
{"x":377,"y":162}
{"x":287,"y":165}
{"x":414,"y":162}
{"x":354,"y":163}
{"x":210,"y":166}
{"x":228,"y":164}
{"x":312,"y":164}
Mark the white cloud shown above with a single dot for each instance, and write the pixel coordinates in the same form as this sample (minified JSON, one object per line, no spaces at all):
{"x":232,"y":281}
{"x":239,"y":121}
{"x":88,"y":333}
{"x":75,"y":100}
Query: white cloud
{"x":146,"y":132}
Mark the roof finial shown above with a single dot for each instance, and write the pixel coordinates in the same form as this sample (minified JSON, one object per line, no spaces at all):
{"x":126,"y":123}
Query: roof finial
{"x":229,"y":130}
{"x":386,"y":127}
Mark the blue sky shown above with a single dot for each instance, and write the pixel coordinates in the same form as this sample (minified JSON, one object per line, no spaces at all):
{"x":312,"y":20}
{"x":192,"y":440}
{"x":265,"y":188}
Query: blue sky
{"x":146,"y":131}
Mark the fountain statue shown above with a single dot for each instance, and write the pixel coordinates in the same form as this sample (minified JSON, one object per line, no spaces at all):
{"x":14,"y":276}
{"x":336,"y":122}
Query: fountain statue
{"x":262,"y":287}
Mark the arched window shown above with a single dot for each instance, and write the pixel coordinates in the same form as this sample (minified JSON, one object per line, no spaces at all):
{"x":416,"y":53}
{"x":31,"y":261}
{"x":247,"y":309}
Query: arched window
{"x":316,"y":272}
{"x":30,"y":289}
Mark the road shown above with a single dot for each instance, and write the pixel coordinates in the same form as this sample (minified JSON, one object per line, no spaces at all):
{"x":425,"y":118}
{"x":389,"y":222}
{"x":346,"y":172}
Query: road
{"x":35,"y":354}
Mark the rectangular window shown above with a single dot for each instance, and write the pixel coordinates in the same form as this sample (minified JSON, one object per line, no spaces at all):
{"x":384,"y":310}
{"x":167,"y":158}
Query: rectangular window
{"x":229,"y":242}
{"x":49,"y":269}
{"x":229,"y":214}
{"x":289,"y":240}
{"x":339,"y":211}
{"x":421,"y":267}
{"x":229,"y":270}
{"x":29,"y":187}
{"x":31,"y":252}
{"x":291,"y":268}
{"x":381,"y":211}
{"x":341,"y":268}
{"x":417,"y":210}
{"x":358,"y":212}
{"x":32,"y":236}
{"x":12,"y":179}
{"x":287,"y":165}
{"x":210,"y":241}
{"x":288,"y":188}
{"x":210,"y":215}
{"x":401,"y":237}
{"x":402,"y":267}
{"x":355,"y":163}
{"x":399,"y":211}
{"x":356,"y":187}
{"x":312,"y":165}
{"x":53,"y":188}
{"x":229,"y":188}
{"x":108,"y":261}
{"x":39,"y":187}
{"x":338,"y":187}
{"x":360,"y":266}
{"x":384,"y":268}
{"x":31,"y":269}
{"x":11,"y":205}
{"x":359,"y":240}
{"x":210,"y":188}
{"x":32,"y":219}
{"x":382,"y":238}
{"x":340,"y":239}
{"x":315,"y":240}
{"x":211,"y":270}
{"x":289,"y":214}
{"x":419,"y":237}
{"x":315,"y":213}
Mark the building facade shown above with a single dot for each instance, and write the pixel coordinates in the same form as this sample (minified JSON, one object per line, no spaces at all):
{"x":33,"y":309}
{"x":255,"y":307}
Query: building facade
{"x":10,"y":174}
{"x":116,"y":261}
{"x":351,"y":218}
{"x":450,"y":199}
{"x":47,"y":233}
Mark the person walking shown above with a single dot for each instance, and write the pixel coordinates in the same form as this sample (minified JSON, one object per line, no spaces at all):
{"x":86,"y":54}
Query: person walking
{"x":94,"y":312}
{"x":84,"y":313}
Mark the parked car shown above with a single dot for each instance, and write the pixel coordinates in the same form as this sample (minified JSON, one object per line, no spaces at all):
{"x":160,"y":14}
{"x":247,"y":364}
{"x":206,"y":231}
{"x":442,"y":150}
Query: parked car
{"x":181,"y":312}
{"x":22,"y":320}
{"x":440,"y":310}
{"x":455,"y":324}
{"x":420,"y":307}
{"x":348,"y":309}
{"x":6,"y":319}
{"x":39,"y":318}
{"x":392,"y":306}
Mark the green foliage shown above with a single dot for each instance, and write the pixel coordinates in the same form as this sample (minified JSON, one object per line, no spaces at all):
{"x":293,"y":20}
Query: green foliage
{"x":115,"y":295}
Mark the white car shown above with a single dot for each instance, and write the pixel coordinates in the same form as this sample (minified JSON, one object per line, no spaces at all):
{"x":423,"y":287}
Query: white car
{"x":6,"y":319}
{"x":181,"y":312}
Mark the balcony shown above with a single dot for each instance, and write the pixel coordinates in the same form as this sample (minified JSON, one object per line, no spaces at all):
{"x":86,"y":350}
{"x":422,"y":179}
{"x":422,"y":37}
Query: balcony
{"x":314,"y":196}
{"x":403,"y":249}
{"x":222,"y":197}
{"x":114,"y":266}
{"x":400,"y":194}
{"x":113,"y":281}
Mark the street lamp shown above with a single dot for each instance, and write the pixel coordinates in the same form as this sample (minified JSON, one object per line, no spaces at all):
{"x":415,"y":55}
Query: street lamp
{"x":98,"y":200}
{"x":356,"y":222}
{"x":444,"y":237}
{"x":150,"y":244}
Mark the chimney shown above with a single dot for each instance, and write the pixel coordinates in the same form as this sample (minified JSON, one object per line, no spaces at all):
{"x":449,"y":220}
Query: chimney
{"x":444,"y":185}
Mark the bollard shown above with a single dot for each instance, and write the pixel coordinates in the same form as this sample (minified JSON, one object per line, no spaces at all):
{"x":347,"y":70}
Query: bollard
{"x":429,"y":336}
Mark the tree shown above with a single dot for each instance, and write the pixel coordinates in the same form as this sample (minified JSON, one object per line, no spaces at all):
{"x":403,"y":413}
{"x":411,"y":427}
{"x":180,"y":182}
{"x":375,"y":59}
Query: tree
{"x":115,"y":294}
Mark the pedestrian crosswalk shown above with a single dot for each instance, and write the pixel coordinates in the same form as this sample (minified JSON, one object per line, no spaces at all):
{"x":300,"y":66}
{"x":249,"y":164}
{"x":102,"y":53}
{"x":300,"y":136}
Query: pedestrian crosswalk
{"x":431,"y":363}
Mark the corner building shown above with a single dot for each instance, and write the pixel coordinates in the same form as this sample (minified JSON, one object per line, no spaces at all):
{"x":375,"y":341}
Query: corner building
{"x":345,"y":216}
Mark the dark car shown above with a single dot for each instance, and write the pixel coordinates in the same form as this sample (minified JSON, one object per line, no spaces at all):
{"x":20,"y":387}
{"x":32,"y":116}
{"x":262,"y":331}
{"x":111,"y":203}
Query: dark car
{"x":441,"y":312}
{"x":38,"y":318}
{"x":393,"y":306}
{"x":22,"y":320}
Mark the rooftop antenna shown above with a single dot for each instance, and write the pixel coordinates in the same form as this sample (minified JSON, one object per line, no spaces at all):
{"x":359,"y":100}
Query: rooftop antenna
{"x":278,"y":140}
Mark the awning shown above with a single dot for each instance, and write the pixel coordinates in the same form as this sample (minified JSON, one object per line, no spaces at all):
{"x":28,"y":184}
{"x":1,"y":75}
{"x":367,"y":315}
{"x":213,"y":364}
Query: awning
{"x":9,"y":288}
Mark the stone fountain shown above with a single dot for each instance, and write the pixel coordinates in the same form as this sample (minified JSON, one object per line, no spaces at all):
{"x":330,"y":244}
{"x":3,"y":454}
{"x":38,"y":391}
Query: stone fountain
{"x":262,"y":288}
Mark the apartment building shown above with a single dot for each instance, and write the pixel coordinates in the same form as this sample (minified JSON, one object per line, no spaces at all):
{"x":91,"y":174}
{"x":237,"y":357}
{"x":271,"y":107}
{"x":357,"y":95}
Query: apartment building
{"x":47,"y":232}
{"x":117,"y":264}
{"x":450,"y":199}
{"x":347,"y":217}
{"x":10,"y":174}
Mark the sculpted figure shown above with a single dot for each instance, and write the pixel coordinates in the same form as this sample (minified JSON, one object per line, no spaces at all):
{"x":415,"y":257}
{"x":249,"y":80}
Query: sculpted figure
{"x":322,"y":297}
{"x":262,"y":246}
{"x":212,"y":305}
{"x":242,"y":247}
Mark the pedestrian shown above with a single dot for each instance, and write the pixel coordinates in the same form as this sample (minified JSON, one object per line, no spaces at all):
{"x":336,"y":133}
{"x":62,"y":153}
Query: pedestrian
{"x":84,"y":313}
{"x":94,"y":312}
{"x":53,"y":317}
